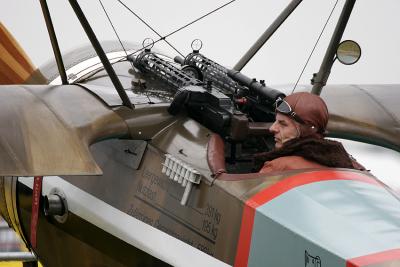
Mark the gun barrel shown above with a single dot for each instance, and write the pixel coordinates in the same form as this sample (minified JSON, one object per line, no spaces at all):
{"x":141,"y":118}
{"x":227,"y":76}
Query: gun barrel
{"x":271,"y":94}
{"x":179,"y":59}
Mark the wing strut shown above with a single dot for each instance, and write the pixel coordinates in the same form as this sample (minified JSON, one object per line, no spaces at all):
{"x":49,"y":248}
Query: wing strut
{"x":319,"y":80}
{"x":100,"y":52}
{"x":267,"y":34}
{"x":54,"y":43}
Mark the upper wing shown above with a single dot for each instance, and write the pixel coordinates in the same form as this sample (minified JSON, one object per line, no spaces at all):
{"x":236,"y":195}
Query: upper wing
{"x":368,"y":113}
{"x":47,"y":130}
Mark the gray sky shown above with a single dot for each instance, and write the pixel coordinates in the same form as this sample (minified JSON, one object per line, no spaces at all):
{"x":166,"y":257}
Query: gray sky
{"x":227,"y":35}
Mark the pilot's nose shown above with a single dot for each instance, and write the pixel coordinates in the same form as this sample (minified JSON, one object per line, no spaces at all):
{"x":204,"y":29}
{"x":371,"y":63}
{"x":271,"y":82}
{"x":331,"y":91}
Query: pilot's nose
{"x":274,"y":129}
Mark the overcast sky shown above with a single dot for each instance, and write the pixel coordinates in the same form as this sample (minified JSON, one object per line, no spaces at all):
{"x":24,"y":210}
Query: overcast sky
{"x":228,"y":34}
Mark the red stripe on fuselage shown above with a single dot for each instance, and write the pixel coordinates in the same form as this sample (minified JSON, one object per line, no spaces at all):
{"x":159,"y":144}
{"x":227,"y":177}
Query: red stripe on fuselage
{"x":380,"y":257}
{"x":36,"y":193}
{"x":262,"y":197}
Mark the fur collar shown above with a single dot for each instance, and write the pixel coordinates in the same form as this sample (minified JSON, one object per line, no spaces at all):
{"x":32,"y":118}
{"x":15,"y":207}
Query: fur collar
{"x":323,"y":151}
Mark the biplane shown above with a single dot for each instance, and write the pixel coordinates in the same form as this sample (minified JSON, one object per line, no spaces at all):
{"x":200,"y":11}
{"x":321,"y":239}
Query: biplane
{"x":124,"y":156}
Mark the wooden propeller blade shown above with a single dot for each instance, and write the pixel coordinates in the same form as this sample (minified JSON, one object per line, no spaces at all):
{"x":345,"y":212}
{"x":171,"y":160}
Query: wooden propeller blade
{"x":15,"y":65}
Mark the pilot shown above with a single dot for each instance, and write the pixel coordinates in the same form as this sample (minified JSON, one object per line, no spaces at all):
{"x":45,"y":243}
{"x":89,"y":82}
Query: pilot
{"x":299,"y":130}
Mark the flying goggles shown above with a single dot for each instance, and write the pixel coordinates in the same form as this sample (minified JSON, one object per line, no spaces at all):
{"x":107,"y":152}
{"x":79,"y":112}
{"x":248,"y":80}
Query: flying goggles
{"x":283,"y":107}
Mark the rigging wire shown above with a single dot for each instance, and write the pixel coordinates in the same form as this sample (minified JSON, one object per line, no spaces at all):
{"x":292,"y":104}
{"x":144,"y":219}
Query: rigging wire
{"x":161,"y":38}
{"x":115,"y":31}
{"x":315,"y":45}
{"x":194,"y":21}
{"x":186,"y":25}
{"x":151,"y":28}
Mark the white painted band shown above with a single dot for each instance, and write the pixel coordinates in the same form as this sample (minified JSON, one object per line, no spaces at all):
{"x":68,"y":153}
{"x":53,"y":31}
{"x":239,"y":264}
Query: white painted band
{"x":121,"y":225}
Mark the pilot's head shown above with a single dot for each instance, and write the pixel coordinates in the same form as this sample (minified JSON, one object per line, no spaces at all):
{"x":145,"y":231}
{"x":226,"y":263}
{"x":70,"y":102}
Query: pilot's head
{"x":299,"y":115}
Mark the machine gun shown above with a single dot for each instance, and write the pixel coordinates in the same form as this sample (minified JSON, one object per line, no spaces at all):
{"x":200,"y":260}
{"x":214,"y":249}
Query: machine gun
{"x":221,"y":99}
{"x":205,"y":104}
{"x":252,"y":97}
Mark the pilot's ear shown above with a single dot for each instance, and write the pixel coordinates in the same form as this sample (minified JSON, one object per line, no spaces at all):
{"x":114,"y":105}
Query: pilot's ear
{"x":314,"y":129}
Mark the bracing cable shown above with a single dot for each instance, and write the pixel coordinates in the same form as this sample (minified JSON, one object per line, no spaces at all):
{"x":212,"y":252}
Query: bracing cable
{"x":151,"y":28}
{"x":194,"y":21}
{"x":315,"y":45}
{"x":163,"y":38}
{"x":115,"y":31}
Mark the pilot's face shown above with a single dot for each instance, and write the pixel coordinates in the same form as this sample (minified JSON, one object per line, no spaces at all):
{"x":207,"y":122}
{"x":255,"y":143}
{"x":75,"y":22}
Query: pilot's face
{"x":284,"y":129}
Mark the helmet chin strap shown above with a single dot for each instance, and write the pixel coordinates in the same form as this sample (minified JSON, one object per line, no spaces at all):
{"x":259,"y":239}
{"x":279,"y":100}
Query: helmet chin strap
{"x":283,"y":140}
{"x":314,"y":130}
{"x":298,"y":131}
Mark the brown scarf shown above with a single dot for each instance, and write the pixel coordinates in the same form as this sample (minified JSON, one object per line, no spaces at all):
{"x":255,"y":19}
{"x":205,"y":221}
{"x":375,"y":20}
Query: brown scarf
{"x":323,"y":151}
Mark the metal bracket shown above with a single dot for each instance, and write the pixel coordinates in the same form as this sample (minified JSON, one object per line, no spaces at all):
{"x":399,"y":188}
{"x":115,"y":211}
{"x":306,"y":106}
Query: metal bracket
{"x":181,"y":173}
